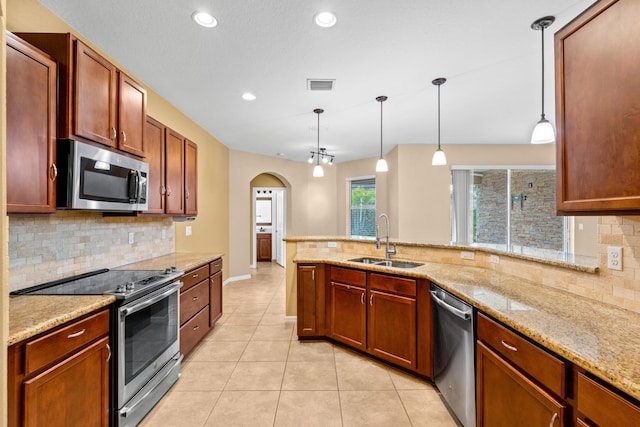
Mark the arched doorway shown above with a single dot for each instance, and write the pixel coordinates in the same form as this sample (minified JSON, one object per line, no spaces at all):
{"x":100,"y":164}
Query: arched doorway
{"x":268,"y":219}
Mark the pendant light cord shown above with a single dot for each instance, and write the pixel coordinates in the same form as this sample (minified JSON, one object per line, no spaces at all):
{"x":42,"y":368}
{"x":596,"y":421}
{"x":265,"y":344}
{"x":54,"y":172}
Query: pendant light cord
{"x":542,"y":31}
{"x":318,"y":156}
{"x":380,"y":129}
{"x":438,"y":117}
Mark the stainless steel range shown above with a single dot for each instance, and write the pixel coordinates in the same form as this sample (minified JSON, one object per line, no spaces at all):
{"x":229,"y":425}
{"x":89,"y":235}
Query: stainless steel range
{"x":144,"y":333}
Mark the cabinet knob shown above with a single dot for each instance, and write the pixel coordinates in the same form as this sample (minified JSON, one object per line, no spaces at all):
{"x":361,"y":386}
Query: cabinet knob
{"x":194,"y":299}
{"x":53,"y":171}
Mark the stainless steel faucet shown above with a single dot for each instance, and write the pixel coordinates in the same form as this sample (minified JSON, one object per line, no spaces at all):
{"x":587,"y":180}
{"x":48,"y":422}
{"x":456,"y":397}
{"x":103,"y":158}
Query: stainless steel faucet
{"x":388,"y":251}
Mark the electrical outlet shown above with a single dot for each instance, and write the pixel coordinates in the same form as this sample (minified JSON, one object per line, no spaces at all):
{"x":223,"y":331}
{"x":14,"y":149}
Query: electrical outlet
{"x":494,"y":259}
{"x":467,"y":255}
{"x":187,"y":230}
{"x":614,"y":257}
{"x":332,"y":245}
{"x":164,"y":234}
{"x":131,"y":237}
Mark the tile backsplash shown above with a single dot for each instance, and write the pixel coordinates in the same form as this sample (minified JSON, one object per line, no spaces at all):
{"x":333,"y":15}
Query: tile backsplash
{"x":46,"y":248}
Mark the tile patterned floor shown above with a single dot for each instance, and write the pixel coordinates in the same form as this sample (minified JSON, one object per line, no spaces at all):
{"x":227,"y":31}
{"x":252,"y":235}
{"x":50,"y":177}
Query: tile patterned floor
{"x":252,"y":371}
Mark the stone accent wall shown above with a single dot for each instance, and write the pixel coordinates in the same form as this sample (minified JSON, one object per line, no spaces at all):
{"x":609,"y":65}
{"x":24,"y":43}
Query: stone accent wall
{"x":50,"y":247}
{"x":533,"y":222}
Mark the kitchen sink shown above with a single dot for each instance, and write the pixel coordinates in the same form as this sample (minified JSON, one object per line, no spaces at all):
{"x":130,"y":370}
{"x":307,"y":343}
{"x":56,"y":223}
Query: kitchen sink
{"x":386,"y":262}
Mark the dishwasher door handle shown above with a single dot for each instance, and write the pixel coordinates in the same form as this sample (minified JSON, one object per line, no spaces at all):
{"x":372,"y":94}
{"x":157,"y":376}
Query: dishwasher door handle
{"x":464,"y":315}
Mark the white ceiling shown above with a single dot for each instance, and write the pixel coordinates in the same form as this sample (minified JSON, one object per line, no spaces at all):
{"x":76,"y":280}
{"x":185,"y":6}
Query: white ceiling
{"x":485,"y":48}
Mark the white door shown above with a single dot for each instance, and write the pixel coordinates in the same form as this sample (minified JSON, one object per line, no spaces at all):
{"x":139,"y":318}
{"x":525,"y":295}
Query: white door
{"x":280,"y":231}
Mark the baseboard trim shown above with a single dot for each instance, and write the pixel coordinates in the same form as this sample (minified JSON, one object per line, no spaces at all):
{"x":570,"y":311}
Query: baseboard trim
{"x":236,"y":279}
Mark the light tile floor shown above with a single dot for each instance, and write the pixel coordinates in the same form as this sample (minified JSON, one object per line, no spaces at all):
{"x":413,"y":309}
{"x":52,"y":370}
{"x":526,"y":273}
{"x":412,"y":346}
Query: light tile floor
{"x":251,"y":370}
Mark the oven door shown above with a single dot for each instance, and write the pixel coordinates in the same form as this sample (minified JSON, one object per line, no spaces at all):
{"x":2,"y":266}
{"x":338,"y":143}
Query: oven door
{"x":148,"y":338}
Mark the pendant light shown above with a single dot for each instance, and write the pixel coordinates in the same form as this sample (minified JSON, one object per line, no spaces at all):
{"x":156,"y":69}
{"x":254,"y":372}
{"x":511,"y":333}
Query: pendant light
{"x":439,"y":158}
{"x":317,"y":170}
{"x":381,"y":166}
{"x":543,"y":133}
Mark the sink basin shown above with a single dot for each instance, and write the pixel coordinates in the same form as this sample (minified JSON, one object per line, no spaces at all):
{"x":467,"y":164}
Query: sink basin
{"x":386,"y":263}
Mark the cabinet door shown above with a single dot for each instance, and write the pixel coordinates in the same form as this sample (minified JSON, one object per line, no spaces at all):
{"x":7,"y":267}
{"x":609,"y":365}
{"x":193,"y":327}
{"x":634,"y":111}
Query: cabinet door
{"x":598,"y":110}
{"x":215,"y":293}
{"x":191,"y":178}
{"x":132,"y":114}
{"x":392,"y":328}
{"x":31,"y":129}
{"x":75,"y":392}
{"x":349,"y":315}
{"x":95,"y":88}
{"x":154,"y":152}
{"x":310,"y":300}
{"x":263,"y":249}
{"x":174,"y":172}
{"x":501,"y":388}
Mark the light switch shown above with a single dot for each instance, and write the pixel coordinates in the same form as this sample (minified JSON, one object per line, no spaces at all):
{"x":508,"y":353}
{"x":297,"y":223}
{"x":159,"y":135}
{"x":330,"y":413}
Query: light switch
{"x":187,"y":230}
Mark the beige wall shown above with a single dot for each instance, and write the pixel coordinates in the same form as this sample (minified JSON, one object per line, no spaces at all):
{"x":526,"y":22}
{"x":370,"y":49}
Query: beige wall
{"x":210,"y":231}
{"x":416,"y":195}
{"x":311,"y":202}
{"x":4,"y":228}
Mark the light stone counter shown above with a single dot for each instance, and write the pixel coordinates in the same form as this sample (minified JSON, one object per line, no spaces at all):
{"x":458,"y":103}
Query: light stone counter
{"x":30,"y":315}
{"x":600,"y":338}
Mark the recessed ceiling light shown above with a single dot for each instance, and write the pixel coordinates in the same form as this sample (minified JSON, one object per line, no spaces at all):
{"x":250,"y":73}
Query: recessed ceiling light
{"x":248,"y":96}
{"x":325,"y":19}
{"x":204,"y":19}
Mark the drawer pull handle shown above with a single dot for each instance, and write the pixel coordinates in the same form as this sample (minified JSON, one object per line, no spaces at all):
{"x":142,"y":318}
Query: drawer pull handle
{"x":195,"y":275}
{"x":371,"y":300}
{"x":77,"y":334}
{"x":109,"y":356}
{"x":195,"y":328}
{"x":362,"y":298}
{"x":553,"y":419}
{"x":53,"y":171}
{"x":114,"y":134}
{"x":508,"y":346}
{"x":195,"y":298}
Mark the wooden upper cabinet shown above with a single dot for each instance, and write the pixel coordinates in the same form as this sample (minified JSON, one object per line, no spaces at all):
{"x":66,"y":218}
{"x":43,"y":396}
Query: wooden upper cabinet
{"x":132,"y":109}
{"x":597,"y":60}
{"x":190,"y":178}
{"x":154,"y":150}
{"x":31,"y":129}
{"x":95,"y":89}
{"x":96,"y":101}
{"x":174,"y":172}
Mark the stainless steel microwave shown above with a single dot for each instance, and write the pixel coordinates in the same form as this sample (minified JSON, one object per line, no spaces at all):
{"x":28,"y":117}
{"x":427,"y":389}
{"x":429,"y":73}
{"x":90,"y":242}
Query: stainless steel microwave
{"x":93,"y":178}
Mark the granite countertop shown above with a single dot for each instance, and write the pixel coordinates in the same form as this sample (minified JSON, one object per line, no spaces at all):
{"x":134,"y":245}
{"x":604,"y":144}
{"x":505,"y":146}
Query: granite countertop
{"x":30,"y":315}
{"x":600,"y":338}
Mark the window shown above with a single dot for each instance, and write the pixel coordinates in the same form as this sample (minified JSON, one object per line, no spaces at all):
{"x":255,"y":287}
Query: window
{"x":363,"y":207}
{"x":507,"y":207}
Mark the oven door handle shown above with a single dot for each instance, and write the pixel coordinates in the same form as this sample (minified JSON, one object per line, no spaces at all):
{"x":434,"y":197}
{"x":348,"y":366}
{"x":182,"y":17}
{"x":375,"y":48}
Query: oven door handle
{"x":130,"y":310}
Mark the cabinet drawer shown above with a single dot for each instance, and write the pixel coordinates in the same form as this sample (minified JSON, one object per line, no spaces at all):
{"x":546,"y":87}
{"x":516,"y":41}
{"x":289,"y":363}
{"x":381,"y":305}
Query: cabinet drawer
{"x":192,"y":332}
{"x":398,"y":285}
{"x":215,"y":266}
{"x":350,"y":277}
{"x":47,"y":349}
{"x":193,"y":300}
{"x":604,"y":407}
{"x":195,"y":276}
{"x":536,"y":362}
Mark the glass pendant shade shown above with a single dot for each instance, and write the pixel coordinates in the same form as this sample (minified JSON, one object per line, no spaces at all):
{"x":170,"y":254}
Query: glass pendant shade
{"x":439,"y":158}
{"x":543,"y":133}
{"x":317,"y":171}
{"x":381,"y":166}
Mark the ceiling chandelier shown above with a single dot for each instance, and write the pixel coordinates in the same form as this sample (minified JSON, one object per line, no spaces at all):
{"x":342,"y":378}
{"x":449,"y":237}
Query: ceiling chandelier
{"x":321,"y":154}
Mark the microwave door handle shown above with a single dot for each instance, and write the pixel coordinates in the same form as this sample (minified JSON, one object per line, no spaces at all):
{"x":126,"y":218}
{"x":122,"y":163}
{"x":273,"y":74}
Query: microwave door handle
{"x":134,"y":180}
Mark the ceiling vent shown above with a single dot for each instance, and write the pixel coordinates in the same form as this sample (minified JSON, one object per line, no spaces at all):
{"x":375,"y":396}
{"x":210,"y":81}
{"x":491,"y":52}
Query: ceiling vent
{"x":320,"y":84}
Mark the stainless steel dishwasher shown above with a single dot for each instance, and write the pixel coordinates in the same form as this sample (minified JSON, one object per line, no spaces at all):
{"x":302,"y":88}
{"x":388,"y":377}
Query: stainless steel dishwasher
{"x":454,"y":354}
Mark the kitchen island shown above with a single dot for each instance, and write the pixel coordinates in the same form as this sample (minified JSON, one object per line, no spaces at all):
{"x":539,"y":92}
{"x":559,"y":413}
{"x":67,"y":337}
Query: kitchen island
{"x":601,"y":339}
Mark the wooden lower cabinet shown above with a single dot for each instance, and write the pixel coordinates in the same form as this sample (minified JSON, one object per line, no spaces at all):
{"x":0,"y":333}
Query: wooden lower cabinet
{"x":600,"y":406}
{"x":349,"y":315}
{"x":61,"y":377}
{"x":310,"y":300}
{"x":74,"y":392}
{"x":391,"y":328}
{"x":215,"y":292}
{"x":263,"y":247}
{"x":506,"y":397}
